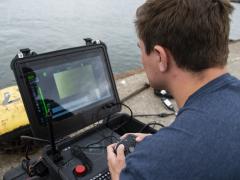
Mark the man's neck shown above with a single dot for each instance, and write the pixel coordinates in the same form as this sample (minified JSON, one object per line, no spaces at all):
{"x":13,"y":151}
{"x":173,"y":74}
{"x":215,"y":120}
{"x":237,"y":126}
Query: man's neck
{"x":184,"y":84}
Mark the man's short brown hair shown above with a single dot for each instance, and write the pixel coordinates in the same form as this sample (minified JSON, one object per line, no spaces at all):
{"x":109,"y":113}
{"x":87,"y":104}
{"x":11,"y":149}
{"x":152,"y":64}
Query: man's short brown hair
{"x":195,"y":31}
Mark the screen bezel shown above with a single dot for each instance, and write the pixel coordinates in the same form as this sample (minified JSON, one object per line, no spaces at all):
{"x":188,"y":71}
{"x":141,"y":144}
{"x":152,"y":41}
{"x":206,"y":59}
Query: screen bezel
{"x":90,"y":115}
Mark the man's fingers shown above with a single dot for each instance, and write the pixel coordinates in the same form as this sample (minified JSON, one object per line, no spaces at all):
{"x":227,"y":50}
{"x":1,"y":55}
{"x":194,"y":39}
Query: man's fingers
{"x":125,"y":135}
{"x":116,"y":162}
{"x":110,"y":152}
{"x":112,"y":146}
{"x":139,"y":138}
{"x":120,"y":152}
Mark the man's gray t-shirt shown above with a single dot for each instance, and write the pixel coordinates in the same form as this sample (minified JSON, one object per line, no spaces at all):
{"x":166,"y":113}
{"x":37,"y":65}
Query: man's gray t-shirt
{"x":202,"y":143}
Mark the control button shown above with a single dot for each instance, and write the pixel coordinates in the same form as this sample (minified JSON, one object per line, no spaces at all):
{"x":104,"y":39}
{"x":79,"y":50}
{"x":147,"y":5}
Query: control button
{"x":80,"y":170}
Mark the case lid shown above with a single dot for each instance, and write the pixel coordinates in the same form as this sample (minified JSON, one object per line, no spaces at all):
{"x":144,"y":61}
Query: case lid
{"x":76,"y":85}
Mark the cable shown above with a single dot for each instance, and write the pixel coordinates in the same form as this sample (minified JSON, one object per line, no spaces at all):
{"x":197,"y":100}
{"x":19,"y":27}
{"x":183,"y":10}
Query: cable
{"x":118,"y":127}
{"x":98,"y":125}
{"x":35,"y":139}
{"x":108,"y":118}
{"x":162,"y":115}
{"x":125,"y":122}
{"x":93,"y":147}
{"x":149,"y":124}
{"x":98,"y":147}
{"x":131,"y":112}
{"x":27,"y":151}
{"x":111,"y":106}
{"x":101,"y":141}
{"x":25,"y":166}
{"x":127,"y":108}
{"x":145,"y":86}
{"x":120,"y":103}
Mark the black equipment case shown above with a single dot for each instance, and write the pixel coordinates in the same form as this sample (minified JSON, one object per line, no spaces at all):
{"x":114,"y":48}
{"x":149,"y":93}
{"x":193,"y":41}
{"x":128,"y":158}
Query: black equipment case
{"x":55,"y":117}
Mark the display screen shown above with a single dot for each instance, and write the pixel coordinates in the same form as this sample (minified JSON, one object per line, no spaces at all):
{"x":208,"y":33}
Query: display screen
{"x":68,"y":85}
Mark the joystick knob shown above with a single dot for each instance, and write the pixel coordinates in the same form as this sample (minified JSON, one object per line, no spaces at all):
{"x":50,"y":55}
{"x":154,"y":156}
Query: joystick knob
{"x":80,"y":170}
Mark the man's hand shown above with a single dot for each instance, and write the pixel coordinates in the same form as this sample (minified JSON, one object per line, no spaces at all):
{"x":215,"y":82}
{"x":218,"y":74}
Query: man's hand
{"x":139,"y":136}
{"x":116,"y":162}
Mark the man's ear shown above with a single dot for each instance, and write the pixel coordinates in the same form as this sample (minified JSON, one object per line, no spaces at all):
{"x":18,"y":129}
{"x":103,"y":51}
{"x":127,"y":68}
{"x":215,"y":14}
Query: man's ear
{"x":162,"y":58}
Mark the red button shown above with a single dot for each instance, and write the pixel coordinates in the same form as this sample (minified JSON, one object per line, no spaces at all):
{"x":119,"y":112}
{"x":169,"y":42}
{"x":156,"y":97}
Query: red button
{"x":80,"y":170}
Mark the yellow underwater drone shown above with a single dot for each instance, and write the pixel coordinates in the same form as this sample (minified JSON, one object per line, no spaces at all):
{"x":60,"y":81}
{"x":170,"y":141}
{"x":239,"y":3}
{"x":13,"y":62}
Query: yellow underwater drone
{"x":13,"y":114}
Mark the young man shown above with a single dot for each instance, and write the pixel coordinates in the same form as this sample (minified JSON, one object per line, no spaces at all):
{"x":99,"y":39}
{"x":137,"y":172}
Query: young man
{"x":184,"y":49}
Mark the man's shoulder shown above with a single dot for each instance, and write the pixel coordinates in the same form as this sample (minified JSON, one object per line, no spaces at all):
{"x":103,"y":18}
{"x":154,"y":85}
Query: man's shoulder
{"x":218,"y":100}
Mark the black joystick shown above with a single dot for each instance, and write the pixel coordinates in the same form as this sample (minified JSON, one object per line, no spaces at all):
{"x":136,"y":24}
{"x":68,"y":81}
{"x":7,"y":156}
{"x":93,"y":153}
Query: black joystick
{"x":129,"y":144}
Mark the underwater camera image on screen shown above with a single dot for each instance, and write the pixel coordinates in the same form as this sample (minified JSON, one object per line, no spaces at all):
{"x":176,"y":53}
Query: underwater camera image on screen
{"x":75,"y":81}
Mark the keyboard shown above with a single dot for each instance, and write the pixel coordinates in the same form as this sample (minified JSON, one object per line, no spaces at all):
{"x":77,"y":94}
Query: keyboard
{"x":105,"y":175}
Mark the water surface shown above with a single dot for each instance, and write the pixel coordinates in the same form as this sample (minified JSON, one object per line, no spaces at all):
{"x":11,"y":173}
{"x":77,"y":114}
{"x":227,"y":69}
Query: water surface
{"x":47,"y":25}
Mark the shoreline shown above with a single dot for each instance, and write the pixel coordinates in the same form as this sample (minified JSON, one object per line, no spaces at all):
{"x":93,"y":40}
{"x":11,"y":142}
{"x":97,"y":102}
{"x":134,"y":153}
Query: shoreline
{"x":124,"y":74}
